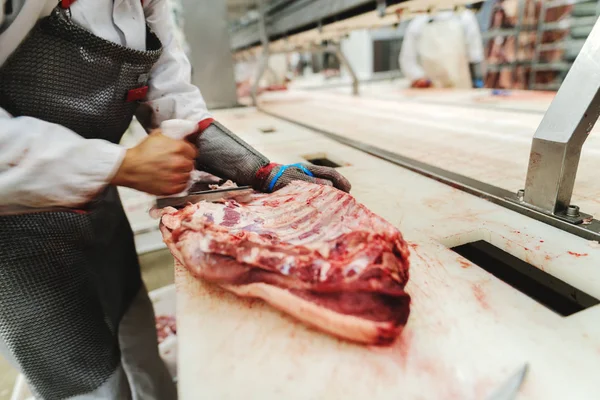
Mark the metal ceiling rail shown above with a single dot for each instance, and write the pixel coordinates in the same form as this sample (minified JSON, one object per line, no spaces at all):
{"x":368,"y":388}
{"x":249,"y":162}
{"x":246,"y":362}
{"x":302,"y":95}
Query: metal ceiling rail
{"x":304,"y":23}
{"x":287,"y":18}
{"x":294,"y":17}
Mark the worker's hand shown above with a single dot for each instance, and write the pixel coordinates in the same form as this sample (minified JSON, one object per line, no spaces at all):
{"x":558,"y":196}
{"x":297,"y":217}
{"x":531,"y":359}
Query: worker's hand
{"x":158,"y":165}
{"x":421,"y":83}
{"x":273,"y":177}
{"x":478,"y":83}
{"x":225,"y":155}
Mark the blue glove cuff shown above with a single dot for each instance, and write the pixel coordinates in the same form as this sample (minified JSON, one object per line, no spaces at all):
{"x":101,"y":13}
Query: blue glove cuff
{"x":282,"y":170}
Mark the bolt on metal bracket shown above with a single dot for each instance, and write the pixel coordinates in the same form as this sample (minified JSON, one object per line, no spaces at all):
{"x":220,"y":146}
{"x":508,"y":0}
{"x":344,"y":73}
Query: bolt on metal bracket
{"x":571,"y":214}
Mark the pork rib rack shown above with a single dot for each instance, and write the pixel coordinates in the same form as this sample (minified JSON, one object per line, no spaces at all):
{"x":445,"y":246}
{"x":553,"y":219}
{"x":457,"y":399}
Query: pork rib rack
{"x":311,"y":251}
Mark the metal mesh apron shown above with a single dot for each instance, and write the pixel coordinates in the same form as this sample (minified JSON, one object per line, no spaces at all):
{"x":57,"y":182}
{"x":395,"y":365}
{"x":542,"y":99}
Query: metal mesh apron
{"x":64,"y":74}
{"x":66,"y":278}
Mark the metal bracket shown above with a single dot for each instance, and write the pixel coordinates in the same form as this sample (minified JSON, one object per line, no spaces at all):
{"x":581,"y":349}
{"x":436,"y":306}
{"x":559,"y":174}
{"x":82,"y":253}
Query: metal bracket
{"x":557,"y":143}
{"x":571,"y":215}
{"x":344,"y":61}
{"x":381,"y":6}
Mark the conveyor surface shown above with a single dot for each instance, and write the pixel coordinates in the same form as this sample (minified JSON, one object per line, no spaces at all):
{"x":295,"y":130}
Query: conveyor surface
{"x":467,"y":332}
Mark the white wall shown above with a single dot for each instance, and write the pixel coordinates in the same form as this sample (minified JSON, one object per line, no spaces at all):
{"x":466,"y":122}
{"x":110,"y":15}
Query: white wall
{"x":207,"y":34}
{"x":358,"y":48}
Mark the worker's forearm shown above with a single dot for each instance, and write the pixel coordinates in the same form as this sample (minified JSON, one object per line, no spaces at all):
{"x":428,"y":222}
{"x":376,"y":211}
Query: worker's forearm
{"x":476,"y":70}
{"x":409,"y":58}
{"x":224,"y":154}
{"x":409,"y":65}
{"x":220,"y":151}
{"x":476,"y":74}
{"x":473,"y":37}
{"x":47,"y":165}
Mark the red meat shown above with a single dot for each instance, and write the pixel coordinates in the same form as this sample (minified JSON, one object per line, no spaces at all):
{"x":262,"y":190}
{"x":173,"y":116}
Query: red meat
{"x":309,"y":250}
{"x":165,"y":326}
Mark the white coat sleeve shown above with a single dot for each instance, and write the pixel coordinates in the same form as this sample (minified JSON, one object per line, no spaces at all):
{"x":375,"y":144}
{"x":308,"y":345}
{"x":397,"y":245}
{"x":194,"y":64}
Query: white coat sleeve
{"x":473,"y":36}
{"x":171,"y":95}
{"x":47,"y":165}
{"x":409,"y":58}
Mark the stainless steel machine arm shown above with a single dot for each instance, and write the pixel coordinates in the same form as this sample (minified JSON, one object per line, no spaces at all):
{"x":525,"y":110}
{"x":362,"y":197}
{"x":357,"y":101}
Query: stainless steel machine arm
{"x":557,"y":143}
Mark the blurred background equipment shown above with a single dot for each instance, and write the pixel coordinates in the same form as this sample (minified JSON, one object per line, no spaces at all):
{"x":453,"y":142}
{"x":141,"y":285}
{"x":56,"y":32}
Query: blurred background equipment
{"x":528,"y":44}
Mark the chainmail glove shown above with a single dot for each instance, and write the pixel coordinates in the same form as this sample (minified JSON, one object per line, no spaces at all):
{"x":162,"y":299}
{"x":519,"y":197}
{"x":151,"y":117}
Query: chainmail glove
{"x":225,"y":155}
{"x":275,"y":176}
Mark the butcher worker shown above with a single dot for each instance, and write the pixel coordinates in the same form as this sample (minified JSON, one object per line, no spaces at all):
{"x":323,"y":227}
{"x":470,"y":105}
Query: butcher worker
{"x":443,"y":50}
{"x":75,"y":317}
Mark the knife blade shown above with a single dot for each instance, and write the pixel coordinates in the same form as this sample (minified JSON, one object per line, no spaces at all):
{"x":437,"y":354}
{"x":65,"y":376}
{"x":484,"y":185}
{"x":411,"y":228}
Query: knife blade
{"x":204,"y":195}
{"x":510,"y":388}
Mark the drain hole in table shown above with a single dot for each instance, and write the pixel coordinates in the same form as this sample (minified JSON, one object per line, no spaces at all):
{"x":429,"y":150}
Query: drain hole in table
{"x":268,"y":129}
{"x":544,"y":288}
{"x":323,"y":162}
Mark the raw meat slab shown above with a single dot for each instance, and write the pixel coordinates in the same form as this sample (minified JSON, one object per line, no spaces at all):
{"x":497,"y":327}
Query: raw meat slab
{"x":309,"y":250}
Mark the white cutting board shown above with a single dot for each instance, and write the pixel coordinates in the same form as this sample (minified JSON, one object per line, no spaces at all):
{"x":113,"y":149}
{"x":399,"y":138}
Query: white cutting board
{"x":488,"y":145}
{"x":399,"y":90}
{"x":467,"y":333}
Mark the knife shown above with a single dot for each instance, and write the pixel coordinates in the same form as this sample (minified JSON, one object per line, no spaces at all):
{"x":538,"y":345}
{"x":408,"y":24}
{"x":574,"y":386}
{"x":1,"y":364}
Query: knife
{"x":203,"y":195}
{"x":510,"y":388}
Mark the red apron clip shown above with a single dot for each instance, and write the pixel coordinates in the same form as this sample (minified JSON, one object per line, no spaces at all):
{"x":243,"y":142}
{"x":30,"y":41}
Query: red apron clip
{"x":137,"y":94}
{"x":205,"y":123}
{"x":66,"y":3}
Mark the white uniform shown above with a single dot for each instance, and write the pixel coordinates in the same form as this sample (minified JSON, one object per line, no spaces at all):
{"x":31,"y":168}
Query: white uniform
{"x":46,"y":165}
{"x":245,"y":71}
{"x":411,"y":64}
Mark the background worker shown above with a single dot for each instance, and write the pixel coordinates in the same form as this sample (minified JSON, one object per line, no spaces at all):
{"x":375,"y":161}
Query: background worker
{"x":443,"y":50}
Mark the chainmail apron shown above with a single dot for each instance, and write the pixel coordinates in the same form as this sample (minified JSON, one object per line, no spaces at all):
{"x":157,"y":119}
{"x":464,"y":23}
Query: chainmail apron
{"x":67,"y":277}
